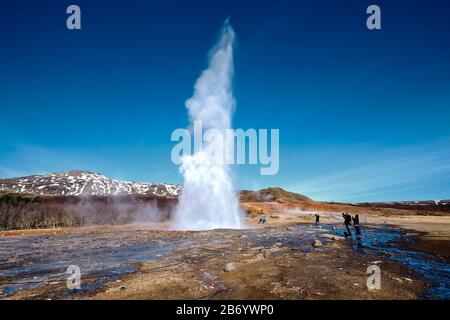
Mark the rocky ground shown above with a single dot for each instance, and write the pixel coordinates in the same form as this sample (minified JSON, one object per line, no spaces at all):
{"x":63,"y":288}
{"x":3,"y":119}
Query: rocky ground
{"x":268,"y":269}
{"x":277,"y":261}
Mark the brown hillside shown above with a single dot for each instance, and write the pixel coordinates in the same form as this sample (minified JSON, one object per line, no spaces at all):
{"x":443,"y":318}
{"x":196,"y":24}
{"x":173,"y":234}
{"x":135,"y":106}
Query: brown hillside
{"x":273,"y":195}
{"x":254,"y":201}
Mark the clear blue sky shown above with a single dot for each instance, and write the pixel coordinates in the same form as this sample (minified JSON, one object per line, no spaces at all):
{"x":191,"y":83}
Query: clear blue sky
{"x":363,"y":115}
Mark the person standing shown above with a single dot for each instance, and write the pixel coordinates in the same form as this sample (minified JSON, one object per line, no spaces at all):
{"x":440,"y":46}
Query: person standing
{"x":347,"y":223}
{"x":262,"y":218}
{"x":317,"y":219}
{"x":356,"y":225}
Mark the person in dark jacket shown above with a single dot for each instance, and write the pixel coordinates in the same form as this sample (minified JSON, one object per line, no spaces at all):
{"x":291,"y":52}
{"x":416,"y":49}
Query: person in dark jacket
{"x":347,"y":223}
{"x":317,"y":219}
{"x":356,"y":225}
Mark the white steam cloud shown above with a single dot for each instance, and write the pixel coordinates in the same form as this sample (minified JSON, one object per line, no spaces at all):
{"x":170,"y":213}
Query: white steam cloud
{"x":208,"y":199}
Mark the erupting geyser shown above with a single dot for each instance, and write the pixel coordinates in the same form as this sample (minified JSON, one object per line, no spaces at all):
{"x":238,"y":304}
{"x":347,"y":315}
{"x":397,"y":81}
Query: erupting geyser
{"x":208,"y":199}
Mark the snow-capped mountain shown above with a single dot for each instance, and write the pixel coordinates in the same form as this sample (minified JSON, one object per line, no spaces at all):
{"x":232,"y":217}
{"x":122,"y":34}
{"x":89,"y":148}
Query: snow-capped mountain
{"x":84,"y":183}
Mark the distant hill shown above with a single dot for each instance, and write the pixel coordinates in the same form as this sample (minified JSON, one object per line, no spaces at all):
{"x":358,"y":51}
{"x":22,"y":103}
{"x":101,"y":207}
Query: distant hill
{"x":253,"y":201}
{"x":425,"y":205}
{"x":273,"y":195}
{"x":84,"y":183}
{"x":78,"y":198}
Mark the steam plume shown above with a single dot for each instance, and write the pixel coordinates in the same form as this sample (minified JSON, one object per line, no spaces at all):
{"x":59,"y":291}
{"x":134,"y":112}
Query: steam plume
{"x":208,"y":199}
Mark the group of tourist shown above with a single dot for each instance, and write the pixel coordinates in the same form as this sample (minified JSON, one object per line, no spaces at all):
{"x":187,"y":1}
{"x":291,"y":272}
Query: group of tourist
{"x":348,"y":220}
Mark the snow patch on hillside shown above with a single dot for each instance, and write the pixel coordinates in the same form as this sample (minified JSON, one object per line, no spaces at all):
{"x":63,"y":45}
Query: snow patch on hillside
{"x":84,"y":183}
